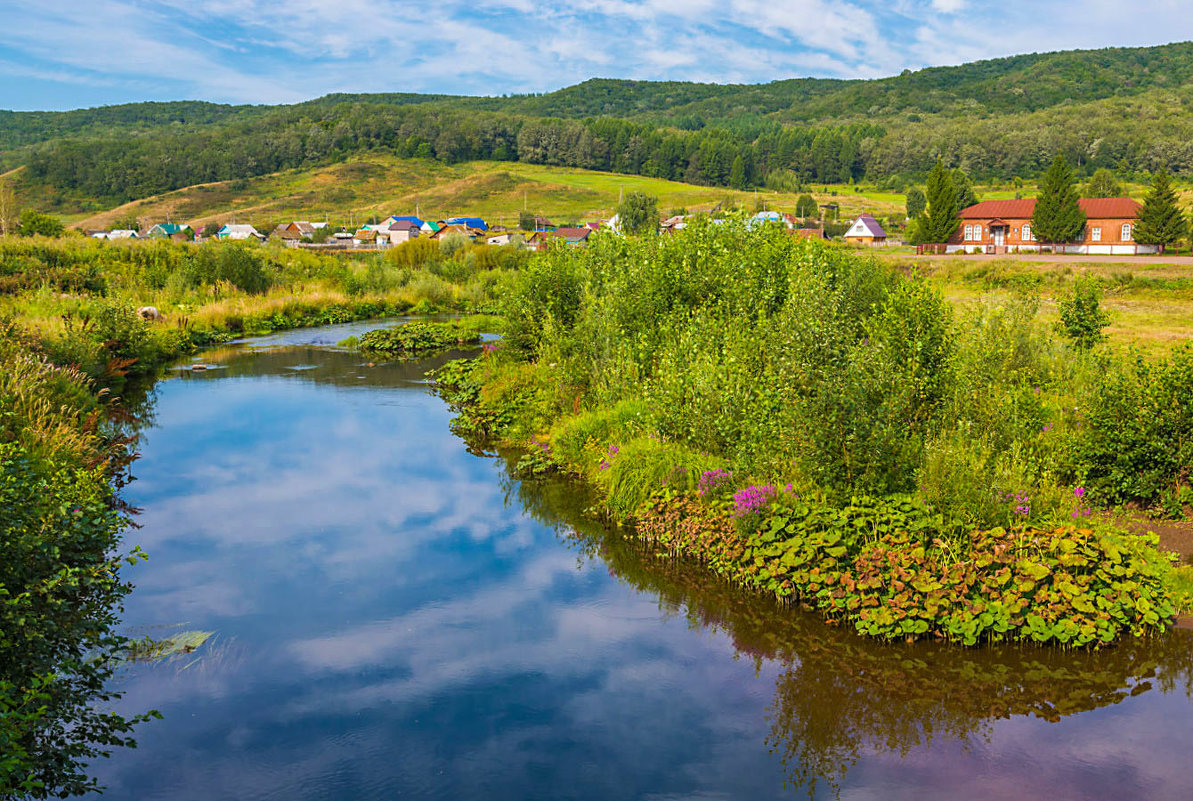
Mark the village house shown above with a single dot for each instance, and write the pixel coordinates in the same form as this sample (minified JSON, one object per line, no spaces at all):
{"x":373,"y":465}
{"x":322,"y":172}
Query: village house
{"x":786,"y":220}
{"x":240,"y":232}
{"x":866,"y":231}
{"x":418,"y":222}
{"x":456,"y":228}
{"x":502,"y":238}
{"x":476,"y":223}
{"x":1004,"y":226}
{"x":122,"y":233}
{"x":403,"y":230}
{"x":296,"y":231}
{"x":176,"y":231}
{"x":368,"y":236}
{"x":573,"y":237}
{"x":810,"y":233}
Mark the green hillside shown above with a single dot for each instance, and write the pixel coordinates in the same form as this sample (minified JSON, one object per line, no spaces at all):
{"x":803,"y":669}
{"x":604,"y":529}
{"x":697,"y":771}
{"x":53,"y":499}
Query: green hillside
{"x":1125,"y":109}
{"x":376,"y":185}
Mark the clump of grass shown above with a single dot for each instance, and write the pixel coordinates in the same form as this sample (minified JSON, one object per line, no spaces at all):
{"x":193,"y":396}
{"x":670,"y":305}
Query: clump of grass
{"x":631,"y":472}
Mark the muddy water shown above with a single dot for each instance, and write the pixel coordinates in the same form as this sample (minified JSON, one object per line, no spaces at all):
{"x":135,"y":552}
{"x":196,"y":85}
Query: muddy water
{"x":394,"y":616}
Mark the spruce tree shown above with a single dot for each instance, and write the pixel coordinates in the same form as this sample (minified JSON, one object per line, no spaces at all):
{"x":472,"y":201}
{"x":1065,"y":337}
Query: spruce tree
{"x":966,"y":197}
{"x":1058,"y":216}
{"x":737,"y":173}
{"x":915,"y":202}
{"x":942,"y":218}
{"x":1161,"y":221}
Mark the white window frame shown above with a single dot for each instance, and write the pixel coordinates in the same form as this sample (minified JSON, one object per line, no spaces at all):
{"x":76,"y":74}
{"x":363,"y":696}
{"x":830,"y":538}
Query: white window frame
{"x":969,"y":233}
{"x":1095,"y":235}
{"x":1127,"y":232}
{"x":977,"y":233}
{"x":1027,"y":234}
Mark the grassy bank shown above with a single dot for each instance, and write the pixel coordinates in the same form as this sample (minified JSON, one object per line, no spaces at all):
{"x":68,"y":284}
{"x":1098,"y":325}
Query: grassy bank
{"x":817,"y":425}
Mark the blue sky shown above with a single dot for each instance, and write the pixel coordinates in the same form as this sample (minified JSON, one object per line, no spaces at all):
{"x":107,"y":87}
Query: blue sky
{"x":57,"y":54}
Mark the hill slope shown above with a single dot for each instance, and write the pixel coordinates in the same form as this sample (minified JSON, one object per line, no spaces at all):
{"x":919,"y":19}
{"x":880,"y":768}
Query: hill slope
{"x":377,"y":185}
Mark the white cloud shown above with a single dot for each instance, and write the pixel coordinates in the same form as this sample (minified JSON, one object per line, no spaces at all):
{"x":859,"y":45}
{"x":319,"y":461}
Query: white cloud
{"x":248,"y":51}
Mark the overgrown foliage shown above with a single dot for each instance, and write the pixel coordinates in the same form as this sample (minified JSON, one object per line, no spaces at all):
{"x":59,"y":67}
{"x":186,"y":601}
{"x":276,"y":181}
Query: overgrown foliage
{"x":882,"y":567}
{"x":735,"y":360}
{"x":60,"y":590}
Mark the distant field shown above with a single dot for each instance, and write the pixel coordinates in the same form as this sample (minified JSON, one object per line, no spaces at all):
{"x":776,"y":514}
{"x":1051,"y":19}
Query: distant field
{"x":1150,"y":304}
{"x":352,"y":191}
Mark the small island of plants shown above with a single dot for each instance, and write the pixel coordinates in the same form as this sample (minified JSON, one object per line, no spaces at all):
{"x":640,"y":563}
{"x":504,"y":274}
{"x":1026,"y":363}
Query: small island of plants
{"x":816,"y":425}
{"x":419,"y":338}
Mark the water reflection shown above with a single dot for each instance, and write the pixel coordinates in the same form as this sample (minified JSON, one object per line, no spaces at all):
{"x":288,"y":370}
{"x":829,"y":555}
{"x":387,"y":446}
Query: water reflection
{"x":395,"y":616}
{"x":841,"y":696}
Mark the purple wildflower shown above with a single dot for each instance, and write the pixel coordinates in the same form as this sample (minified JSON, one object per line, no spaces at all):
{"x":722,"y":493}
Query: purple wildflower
{"x":711,"y":481}
{"x":752,"y":499}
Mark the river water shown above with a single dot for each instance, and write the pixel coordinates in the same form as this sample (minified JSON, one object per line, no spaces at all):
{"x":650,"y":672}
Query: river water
{"x":394,"y":616}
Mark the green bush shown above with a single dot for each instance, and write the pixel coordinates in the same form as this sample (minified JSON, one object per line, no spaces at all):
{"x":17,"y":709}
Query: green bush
{"x":1081,"y":315}
{"x":242,"y":266}
{"x":1136,"y":439}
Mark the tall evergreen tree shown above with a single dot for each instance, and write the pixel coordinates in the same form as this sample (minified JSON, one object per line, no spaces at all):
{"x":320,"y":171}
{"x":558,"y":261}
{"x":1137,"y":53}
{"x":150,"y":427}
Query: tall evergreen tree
{"x":915,"y":202}
{"x":942,"y":217}
{"x":966,"y":197}
{"x":1058,"y":216}
{"x":737,"y":173}
{"x":1161,"y":221}
{"x":1102,"y":184}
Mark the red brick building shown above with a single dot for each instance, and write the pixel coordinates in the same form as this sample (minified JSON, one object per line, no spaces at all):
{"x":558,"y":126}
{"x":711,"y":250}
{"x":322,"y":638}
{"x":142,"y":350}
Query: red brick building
{"x":1004,"y":226}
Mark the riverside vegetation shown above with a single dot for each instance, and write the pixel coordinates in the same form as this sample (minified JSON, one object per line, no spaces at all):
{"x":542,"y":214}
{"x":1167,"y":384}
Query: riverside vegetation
{"x":70,"y":336}
{"x":816,"y":425}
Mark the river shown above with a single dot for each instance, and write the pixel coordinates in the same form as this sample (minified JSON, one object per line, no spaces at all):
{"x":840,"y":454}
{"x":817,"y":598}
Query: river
{"x":395,"y":616}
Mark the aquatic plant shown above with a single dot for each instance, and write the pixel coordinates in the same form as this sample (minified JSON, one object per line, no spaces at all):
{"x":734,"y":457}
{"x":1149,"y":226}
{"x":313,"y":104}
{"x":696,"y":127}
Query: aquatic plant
{"x":418,"y":338}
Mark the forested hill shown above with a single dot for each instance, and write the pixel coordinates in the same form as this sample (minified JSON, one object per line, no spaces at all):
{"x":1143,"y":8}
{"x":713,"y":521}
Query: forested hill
{"x":1127,"y":109}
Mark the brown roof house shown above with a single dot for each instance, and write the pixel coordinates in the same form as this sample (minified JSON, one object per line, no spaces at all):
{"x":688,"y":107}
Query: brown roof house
{"x":866,"y":231}
{"x":576,"y":237}
{"x":1004,"y":226}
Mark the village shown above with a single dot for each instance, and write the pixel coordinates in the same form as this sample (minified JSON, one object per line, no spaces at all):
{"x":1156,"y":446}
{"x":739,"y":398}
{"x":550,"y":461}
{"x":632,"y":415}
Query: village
{"x":994,"y":227}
